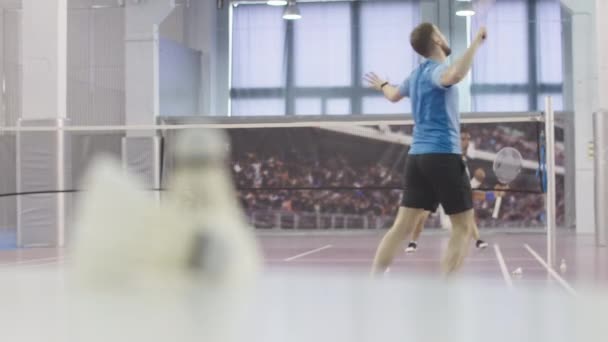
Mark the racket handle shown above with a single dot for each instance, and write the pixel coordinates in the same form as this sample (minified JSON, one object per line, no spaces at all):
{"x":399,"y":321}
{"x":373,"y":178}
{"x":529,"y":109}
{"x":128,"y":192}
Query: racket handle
{"x":496,"y":207}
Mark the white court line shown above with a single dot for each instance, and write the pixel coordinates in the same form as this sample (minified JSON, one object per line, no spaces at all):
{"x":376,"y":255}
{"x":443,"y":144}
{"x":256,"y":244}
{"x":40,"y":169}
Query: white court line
{"x":308,"y":253}
{"x":552,"y":271}
{"x":42,"y":264}
{"x":60,"y":263}
{"x":477,"y":262}
{"x":31,"y":261}
{"x":503,"y":266}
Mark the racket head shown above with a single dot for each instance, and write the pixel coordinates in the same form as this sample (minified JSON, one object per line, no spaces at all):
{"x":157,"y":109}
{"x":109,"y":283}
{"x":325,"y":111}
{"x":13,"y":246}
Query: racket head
{"x":507,"y":165}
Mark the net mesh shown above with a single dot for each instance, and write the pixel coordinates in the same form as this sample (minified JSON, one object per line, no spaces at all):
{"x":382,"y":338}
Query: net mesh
{"x":346,"y":176}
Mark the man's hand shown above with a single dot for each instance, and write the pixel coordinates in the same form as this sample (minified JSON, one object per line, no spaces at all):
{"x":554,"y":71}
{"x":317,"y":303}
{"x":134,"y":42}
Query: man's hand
{"x":498,"y":188}
{"x":479,"y":174}
{"x":373,"y":81}
{"x":482,"y":34}
{"x":390,"y":92}
{"x":459,"y":70}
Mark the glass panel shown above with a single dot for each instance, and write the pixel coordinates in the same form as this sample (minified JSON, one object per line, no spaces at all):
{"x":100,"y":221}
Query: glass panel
{"x":308,"y":106}
{"x":549,"y":41}
{"x":322,"y":46}
{"x":258,"y":47}
{"x":385,"y":47}
{"x":500,"y":103}
{"x":504,"y":57}
{"x":380,"y":105}
{"x":558,"y":101}
{"x":337,"y":107}
{"x":254,"y":107}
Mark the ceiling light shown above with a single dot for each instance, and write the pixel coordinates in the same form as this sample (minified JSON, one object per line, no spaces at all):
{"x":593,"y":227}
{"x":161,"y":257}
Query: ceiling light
{"x":276,"y":2}
{"x":292,"y":12}
{"x":464,"y":9}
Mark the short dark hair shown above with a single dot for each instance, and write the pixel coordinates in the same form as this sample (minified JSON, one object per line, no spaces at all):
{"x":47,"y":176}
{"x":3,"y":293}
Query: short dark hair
{"x":422,"y":38}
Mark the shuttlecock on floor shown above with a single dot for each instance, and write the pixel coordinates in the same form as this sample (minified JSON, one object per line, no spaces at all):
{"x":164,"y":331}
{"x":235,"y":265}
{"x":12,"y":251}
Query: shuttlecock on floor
{"x":562,"y":266}
{"x":518,"y":271}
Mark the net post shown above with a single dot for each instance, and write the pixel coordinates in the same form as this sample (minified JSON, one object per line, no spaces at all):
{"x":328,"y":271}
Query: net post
{"x":550,"y":169}
{"x":600,"y":156}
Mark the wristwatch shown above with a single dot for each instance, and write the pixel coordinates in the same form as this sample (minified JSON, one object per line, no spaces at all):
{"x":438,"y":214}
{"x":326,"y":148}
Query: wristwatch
{"x":383,"y":84}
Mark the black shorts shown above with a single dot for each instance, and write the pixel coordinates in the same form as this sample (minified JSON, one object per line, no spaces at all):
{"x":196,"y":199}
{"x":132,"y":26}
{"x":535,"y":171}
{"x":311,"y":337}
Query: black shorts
{"x":433,"y":179}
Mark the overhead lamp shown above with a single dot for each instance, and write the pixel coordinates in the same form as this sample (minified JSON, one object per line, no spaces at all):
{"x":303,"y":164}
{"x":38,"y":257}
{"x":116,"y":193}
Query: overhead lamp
{"x":464,"y":9}
{"x":276,"y":2}
{"x":292,"y":12}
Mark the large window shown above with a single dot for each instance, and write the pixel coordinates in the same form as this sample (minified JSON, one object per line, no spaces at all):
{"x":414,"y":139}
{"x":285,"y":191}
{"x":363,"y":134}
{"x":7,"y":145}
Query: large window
{"x":322,"y":46}
{"x":258,"y":61}
{"x":314,"y":66}
{"x":521,"y":62}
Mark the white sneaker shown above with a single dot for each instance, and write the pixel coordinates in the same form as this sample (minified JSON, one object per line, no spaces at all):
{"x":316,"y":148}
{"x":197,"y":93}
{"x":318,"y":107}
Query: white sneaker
{"x":411,"y":247}
{"x":480,"y":244}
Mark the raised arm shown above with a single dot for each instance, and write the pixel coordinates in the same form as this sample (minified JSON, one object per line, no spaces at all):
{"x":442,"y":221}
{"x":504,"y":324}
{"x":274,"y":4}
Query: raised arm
{"x":460,"y":68}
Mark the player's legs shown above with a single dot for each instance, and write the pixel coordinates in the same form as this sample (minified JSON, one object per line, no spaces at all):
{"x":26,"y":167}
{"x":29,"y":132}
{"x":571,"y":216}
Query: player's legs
{"x":417,"y":200}
{"x":420,"y":226}
{"x":479,"y":243}
{"x":475,"y":230}
{"x":413,"y":244}
{"x":405,"y":223}
{"x":453,"y":189}
{"x":463,"y":225}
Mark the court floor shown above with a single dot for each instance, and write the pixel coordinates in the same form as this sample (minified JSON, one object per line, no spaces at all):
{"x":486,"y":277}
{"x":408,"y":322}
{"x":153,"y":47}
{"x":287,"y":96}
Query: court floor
{"x":316,"y":288}
{"x":352,"y":252}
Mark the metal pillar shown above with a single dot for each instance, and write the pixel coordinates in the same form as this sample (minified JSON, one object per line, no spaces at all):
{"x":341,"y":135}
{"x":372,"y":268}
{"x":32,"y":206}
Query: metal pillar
{"x":550,"y":169}
{"x":600,"y":153}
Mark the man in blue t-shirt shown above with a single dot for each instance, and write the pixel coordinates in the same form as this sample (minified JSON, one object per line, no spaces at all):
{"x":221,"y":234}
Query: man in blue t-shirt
{"x":434,"y":172}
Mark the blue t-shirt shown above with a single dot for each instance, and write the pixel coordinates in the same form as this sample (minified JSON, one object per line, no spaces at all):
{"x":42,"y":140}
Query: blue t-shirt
{"x":435,"y":110}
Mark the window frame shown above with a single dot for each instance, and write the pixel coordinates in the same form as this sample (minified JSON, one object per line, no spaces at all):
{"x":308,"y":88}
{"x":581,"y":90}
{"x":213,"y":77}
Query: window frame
{"x":355,"y":92}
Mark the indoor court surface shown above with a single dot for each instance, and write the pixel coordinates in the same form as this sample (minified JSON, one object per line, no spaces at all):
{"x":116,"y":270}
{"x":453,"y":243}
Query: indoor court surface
{"x":315,"y":286}
{"x":353,"y":252}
